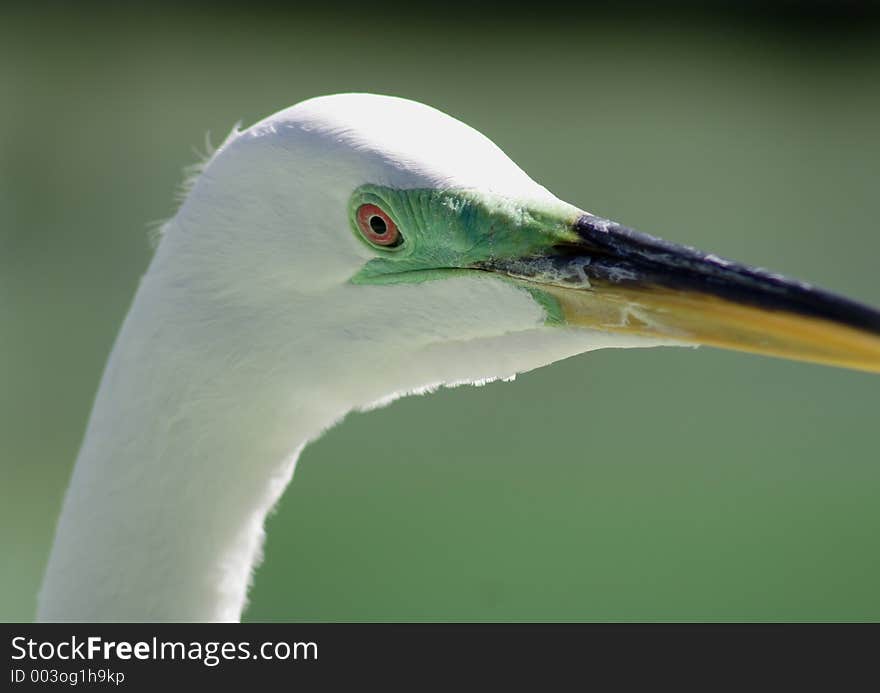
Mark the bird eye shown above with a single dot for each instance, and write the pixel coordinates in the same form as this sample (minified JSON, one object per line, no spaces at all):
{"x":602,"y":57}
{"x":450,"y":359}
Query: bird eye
{"x":377,"y":227}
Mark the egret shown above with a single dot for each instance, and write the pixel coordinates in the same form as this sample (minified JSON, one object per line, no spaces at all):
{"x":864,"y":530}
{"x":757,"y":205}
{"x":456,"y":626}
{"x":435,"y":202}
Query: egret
{"x":334,"y":256}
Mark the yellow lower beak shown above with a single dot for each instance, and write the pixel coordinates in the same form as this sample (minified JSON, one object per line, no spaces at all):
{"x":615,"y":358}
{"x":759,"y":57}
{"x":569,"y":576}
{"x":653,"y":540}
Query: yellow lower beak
{"x":697,"y":318}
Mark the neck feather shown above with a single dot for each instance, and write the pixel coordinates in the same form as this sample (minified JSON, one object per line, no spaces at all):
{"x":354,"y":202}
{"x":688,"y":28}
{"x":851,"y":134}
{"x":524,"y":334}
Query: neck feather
{"x":191,"y":442}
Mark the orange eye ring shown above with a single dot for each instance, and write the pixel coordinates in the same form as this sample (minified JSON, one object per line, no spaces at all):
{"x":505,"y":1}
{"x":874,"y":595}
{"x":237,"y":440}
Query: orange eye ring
{"x":377,"y":227}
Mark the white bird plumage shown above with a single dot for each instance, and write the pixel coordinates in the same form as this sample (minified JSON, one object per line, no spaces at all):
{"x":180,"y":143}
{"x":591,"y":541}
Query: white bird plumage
{"x":247,"y":339}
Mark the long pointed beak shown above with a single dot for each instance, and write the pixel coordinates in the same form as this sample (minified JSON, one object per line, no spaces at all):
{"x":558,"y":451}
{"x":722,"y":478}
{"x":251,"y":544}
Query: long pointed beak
{"x":616,"y":279}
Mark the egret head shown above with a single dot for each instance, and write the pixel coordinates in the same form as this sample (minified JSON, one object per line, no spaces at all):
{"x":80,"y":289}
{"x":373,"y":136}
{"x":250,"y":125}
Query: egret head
{"x":421,"y":254}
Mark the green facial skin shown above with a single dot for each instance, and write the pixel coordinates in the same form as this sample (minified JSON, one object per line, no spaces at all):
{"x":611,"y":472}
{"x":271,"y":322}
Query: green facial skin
{"x":447,"y":232}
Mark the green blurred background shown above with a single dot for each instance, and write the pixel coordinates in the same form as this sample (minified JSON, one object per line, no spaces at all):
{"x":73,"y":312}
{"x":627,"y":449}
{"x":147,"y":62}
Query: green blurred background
{"x":669,"y":484}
